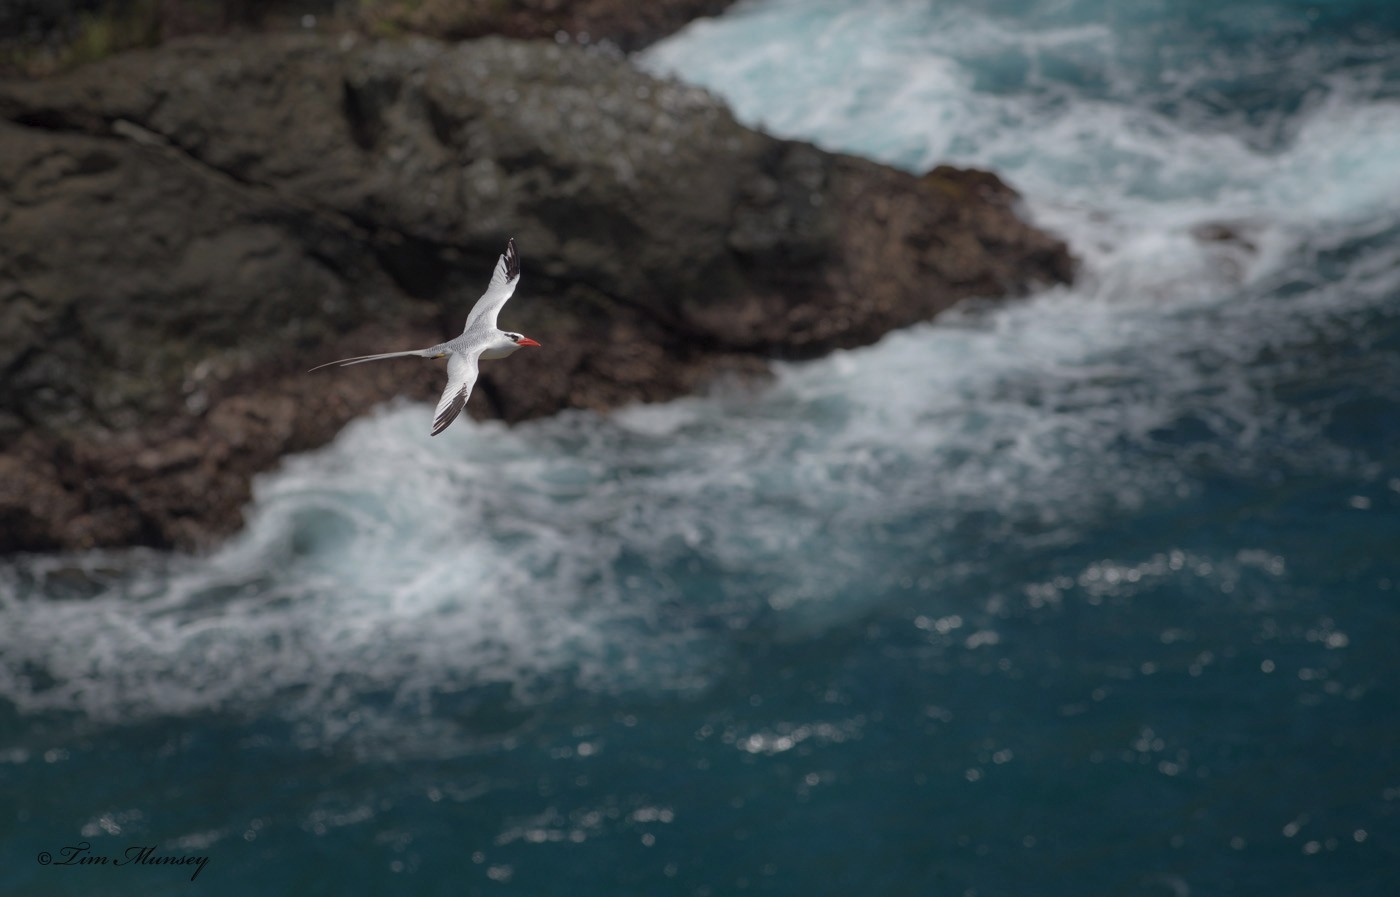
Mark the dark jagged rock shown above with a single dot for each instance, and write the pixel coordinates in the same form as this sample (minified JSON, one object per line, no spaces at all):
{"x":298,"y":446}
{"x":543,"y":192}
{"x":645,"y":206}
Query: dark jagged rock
{"x":184,"y":231}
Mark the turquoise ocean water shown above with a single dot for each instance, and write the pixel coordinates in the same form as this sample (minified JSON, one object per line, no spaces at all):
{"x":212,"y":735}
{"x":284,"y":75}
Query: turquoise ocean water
{"x":1089,"y":594}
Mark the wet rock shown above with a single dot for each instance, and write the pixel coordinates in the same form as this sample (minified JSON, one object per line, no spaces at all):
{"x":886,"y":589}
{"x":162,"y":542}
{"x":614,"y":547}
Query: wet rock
{"x":185,"y":230}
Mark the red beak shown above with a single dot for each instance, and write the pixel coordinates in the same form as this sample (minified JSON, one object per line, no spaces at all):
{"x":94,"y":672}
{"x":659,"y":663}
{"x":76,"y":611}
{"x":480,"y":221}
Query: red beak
{"x":526,"y":341}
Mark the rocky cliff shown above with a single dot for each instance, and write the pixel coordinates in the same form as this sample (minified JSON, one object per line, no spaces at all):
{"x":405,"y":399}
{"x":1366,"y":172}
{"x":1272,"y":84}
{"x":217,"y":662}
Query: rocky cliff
{"x":185,"y":230}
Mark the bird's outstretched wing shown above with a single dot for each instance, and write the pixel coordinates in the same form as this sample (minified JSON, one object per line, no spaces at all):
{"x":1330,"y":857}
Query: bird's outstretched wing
{"x":461,"y":377}
{"x":488,"y":307}
{"x":361,"y":359}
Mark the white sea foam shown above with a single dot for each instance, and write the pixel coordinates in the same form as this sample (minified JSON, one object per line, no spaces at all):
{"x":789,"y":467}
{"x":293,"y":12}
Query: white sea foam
{"x":390,"y":584}
{"x":625,"y":552}
{"x":1099,"y":148}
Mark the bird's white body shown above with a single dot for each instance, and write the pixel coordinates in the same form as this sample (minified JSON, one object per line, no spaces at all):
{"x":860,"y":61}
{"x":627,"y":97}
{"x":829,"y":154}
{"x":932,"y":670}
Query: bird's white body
{"x":480,"y":339}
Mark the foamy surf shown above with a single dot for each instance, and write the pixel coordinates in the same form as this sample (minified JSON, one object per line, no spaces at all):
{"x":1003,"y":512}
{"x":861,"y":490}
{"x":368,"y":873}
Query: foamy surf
{"x":394,"y":576}
{"x":623,"y":552}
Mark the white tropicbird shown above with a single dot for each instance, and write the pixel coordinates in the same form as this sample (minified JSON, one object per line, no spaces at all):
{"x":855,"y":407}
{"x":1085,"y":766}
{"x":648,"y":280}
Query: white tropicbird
{"x":480,"y":339}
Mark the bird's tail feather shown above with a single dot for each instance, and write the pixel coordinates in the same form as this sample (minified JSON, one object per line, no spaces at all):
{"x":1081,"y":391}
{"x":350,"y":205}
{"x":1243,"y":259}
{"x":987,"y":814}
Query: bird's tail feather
{"x":361,"y":359}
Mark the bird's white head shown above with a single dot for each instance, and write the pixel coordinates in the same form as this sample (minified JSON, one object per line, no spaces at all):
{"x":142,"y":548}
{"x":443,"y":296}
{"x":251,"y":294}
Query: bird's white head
{"x":506,"y":343}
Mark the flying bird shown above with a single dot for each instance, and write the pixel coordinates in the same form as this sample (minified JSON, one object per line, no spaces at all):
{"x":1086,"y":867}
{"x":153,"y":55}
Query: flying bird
{"x":480,"y":339}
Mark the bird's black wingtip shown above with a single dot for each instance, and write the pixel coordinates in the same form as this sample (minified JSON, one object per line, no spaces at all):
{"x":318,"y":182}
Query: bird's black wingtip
{"x":512,"y":258}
